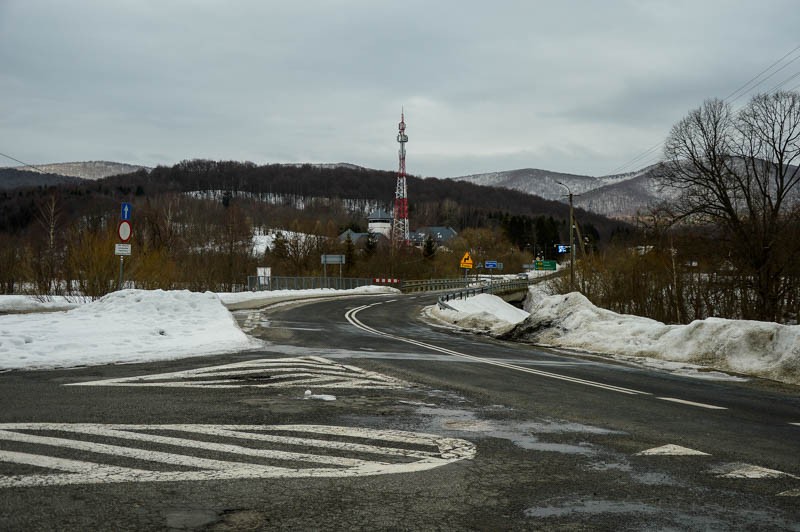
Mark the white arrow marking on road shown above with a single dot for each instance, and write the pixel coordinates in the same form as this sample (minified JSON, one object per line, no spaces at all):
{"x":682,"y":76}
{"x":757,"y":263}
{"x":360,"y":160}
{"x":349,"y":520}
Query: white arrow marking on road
{"x":671,"y":450}
{"x":263,"y":373}
{"x":380,"y":452}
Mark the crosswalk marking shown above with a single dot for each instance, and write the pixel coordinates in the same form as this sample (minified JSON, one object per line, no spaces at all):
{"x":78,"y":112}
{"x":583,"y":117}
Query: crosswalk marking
{"x":671,"y":450}
{"x":263,"y":373}
{"x":345,"y":451}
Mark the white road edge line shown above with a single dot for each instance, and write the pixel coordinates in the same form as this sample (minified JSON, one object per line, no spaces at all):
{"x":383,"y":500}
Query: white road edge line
{"x":350,"y":315}
{"x":692,"y":403}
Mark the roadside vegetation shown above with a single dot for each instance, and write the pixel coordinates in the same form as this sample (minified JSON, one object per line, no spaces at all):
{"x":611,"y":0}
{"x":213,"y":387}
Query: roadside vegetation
{"x":729,"y":244}
{"x":194,"y":226}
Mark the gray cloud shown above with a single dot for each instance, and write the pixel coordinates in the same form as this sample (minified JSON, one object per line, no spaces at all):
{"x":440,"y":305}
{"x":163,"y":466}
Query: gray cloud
{"x":576,"y":86}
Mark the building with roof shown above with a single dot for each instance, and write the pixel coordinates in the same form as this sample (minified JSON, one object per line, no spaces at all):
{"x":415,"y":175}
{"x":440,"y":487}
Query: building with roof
{"x":438,"y":233}
{"x":380,"y":222}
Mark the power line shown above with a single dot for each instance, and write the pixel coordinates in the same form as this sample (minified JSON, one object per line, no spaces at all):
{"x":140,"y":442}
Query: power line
{"x":765,"y":79}
{"x":644,"y":154}
{"x":23,"y":163}
{"x":762,"y":72}
{"x":745,"y":87}
{"x":784,"y":82}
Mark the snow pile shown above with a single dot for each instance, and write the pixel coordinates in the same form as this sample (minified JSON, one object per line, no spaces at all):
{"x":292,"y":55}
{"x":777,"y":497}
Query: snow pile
{"x":125,"y":326}
{"x":14,"y":303}
{"x":483,"y":312}
{"x":756,"y":348}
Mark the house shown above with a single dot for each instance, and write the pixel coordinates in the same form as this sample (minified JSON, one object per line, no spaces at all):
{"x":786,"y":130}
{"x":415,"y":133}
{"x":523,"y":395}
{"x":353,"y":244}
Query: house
{"x":439,"y":234}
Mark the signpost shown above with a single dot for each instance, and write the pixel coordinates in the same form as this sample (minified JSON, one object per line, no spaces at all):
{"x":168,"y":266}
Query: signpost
{"x":122,"y":249}
{"x":545,"y":265}
{"x":124,"y":232}
{"x":331,"y":259}
{"x":491,"y":265}
{"x":466,"y":265}
{"x":466,"y":261}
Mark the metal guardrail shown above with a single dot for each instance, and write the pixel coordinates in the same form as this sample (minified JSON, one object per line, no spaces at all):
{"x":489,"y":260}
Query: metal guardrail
{"x":498,"y":287}
{"x":432,"y":285}
{"x":256,"y":283}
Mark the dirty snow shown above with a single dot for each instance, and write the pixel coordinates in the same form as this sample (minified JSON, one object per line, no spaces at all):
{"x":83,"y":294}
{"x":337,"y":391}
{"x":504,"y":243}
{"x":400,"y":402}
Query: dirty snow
{"x":124,"y":326}
{"x":131,"y":326}
{"x":702,"y":349}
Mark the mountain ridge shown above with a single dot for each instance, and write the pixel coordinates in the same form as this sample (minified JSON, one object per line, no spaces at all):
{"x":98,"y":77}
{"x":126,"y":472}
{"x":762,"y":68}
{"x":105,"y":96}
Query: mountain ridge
{"x":618,"y":196}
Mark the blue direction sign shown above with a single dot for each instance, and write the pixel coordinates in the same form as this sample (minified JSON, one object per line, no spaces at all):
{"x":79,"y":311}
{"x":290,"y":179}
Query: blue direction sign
{"x":126,"y":212}
{"x":490,"y":264}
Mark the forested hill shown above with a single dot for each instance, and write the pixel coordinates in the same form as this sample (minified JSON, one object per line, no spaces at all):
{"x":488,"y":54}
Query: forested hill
{"x":432,"y":201}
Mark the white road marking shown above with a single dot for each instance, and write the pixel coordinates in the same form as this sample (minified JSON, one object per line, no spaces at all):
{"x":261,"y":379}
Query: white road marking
{"x":692,"y":403}
{"x":795,"y":424}
{"x":671,"y":450}
{"x":749,"y":471}
{"x":350,"y":315}
{"x":790,"y":493}
{"x":380,"y":452}
{"x":263,"y":373}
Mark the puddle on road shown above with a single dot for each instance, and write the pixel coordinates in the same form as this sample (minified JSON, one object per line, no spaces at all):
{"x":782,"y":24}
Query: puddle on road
{"x":524,"y":434}
{"x":590,"y":506}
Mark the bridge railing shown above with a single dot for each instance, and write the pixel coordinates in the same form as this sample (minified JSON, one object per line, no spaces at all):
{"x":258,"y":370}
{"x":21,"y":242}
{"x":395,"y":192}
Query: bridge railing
{"x":256,"y":283}
{"x":433,"y":285}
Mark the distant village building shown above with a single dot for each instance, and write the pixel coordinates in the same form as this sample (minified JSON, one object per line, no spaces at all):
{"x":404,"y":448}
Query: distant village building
{"x":380,"y":222}
{"x":438,"y":233}
{"x":355,"y":238}
{"x":380,"y":225}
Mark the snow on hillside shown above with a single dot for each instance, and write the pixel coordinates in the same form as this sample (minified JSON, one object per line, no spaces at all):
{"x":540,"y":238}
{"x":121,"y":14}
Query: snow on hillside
{"x":88,"y":169}
{"x":614,"y":196}
{"x":534,"y":181}
{"x":768,"y":350}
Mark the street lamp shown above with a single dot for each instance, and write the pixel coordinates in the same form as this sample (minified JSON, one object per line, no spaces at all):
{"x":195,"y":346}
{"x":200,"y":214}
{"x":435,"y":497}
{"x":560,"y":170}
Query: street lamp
{"x":571,"y":240}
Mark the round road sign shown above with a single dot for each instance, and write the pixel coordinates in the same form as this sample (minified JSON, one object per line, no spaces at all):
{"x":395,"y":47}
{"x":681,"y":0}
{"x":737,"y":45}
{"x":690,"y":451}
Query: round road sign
{"x":124,"y":230}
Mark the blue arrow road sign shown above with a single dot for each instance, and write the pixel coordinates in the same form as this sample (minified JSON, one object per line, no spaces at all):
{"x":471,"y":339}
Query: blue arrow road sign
{"x":490,"y":264}
{"x":126,"y":212}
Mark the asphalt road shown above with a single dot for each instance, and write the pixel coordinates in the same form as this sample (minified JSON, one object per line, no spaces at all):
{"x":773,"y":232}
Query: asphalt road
{"x":358,"y":415}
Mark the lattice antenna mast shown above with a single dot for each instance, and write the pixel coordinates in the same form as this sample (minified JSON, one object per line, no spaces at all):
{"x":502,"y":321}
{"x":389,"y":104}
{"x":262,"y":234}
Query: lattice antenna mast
{"x":400,"y":232}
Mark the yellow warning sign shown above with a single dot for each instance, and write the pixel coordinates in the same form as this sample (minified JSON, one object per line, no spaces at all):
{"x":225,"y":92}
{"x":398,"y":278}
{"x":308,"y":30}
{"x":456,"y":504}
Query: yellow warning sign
{"x":466,"y":261}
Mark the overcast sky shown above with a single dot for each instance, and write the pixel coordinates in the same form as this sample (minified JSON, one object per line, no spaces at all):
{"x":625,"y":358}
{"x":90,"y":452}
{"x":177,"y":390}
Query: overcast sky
{"x":571,"y":86}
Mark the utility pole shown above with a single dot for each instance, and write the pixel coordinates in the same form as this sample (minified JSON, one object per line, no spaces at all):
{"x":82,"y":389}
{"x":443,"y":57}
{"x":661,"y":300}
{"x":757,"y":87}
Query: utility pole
{"x":571,"y":240}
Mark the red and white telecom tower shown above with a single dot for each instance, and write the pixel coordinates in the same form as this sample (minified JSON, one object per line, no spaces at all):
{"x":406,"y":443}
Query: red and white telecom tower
{"x":400,"y":232}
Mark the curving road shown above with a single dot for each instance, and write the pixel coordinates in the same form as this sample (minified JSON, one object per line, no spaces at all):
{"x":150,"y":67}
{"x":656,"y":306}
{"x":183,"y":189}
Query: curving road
{"x":359,"y":415}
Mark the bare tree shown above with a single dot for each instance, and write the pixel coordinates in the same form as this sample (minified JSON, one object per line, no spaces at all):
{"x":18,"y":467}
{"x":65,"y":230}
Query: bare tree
{"x":48,"y":215}
{"x":740,"y":172}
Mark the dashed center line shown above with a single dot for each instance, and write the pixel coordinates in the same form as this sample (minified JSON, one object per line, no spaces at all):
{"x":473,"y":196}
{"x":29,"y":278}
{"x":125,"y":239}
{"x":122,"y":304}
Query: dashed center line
{"x":350,"y":315}
{"x":692,"y":403}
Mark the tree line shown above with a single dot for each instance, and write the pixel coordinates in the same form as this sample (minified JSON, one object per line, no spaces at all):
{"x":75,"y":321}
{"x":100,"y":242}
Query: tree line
{"x":729,"y":245}
{"x":60,"y":239}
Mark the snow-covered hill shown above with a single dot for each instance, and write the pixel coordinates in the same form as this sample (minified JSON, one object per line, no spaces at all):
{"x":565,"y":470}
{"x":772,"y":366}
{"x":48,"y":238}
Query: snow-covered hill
{"x":615,"y":196}
{"x":86,"y":169}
